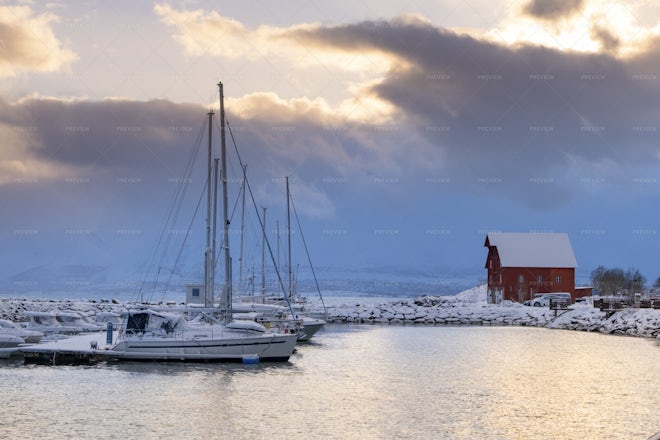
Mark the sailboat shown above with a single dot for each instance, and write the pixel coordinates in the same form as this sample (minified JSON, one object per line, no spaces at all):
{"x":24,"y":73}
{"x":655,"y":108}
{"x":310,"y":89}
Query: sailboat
{"x":309,"y":325}
{"x":154,"y":335}
{"x":278,"y":313}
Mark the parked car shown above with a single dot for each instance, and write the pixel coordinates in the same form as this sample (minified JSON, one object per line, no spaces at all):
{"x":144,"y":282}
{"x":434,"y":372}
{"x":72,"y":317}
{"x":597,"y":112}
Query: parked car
{"x":544,"y":300}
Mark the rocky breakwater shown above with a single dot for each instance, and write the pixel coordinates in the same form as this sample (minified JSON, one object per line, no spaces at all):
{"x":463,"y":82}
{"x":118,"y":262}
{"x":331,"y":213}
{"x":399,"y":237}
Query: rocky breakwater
{"x":439,"y":310}
{"x":630,"y":322}
{"x":470,"y":308}
{"x":466,"y":308}
{"x":13,"y":309}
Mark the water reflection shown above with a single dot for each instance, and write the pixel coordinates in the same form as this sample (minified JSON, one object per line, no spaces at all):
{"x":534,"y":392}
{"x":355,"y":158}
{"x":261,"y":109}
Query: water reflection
{"x":359,"y":382}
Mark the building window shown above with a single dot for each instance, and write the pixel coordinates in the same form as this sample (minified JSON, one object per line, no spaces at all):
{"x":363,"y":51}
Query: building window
{"x":491,"y":263}
{"x":558,"y":279}
{"x":521,"y":278}
{"x":500,"y":278}
{"x":539,"y":279}
{"x":195,"y":291}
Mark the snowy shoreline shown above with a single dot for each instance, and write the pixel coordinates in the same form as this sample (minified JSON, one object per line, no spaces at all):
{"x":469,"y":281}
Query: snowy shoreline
{"x":470,"y":308}
{"x":466,"y":308}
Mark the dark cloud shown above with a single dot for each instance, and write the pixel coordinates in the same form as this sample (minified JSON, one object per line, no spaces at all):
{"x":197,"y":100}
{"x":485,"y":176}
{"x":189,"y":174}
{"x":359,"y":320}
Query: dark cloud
{"x":105,"y":135}
{"x":513,"y":115}
{"x":608,"y":41}
{"x":552,"y":9}
{"x":120,"y":162}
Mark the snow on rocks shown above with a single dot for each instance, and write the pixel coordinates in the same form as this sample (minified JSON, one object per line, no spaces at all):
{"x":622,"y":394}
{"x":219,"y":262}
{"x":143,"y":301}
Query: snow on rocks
{"x":13,"y":308}
{"x":466,"y":308}
{"x":470,"y":308}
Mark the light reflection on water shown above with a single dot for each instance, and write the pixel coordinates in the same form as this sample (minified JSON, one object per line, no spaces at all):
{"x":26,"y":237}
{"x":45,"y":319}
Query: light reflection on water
{"x":359,"y":382}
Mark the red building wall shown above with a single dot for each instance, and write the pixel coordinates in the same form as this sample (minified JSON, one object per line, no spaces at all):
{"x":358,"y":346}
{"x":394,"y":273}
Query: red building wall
{"x":521,"y":283}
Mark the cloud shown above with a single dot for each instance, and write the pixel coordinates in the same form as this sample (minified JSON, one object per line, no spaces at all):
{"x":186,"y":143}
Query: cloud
{"x":492,"y":119}
{"x":512,"y":117}
{"x":293,"y":66}
{"x":608,"y":41}
{"x":27,"y":43}
{"x":308,"y":198}
{"x":202,"y":34}
{"x":553,"y":9}
{"x":52,"y":139}
{"x":592,"y":26}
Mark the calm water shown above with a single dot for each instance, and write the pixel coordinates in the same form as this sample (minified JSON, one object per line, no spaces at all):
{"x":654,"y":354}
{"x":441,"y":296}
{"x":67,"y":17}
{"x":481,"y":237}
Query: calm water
{"x":361,"y":382}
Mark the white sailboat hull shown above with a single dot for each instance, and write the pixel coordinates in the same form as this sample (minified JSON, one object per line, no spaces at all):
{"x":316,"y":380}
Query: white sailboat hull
{"x":267,"y":347}
{"x":309,"y":328}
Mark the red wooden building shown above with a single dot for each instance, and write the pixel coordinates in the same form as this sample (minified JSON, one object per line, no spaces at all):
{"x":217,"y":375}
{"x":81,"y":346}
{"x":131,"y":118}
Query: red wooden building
{"x":523,"y":264}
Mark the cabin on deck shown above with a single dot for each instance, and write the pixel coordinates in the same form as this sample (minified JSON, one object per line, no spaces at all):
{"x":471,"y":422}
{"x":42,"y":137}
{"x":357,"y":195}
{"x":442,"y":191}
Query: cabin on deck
{"x":522,"y":265}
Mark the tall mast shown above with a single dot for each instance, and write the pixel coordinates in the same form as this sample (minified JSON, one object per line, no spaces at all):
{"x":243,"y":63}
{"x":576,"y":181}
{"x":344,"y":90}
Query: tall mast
{"x":214,"y":229}
{"x":226,"y":291}
{"x":240,"y":258}
{"x":263,"y":259}
{"x":277,"y":228}
{"x":209,"y":255}
{"x":288,"y":233}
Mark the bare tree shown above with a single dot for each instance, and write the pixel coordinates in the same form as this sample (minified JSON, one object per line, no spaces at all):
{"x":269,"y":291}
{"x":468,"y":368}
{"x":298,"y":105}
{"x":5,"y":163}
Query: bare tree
{"x":618,"y":282}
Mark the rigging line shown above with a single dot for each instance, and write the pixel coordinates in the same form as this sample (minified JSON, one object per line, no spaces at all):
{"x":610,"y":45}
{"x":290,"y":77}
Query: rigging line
{"x":178,"y":256}
{"x":170,"y":238}
{"x":178,"y":196}
{"x":233,"y":211}
{"x":261,"y":224}
{"x":218,"y":256}
{"x":175,"y":208}
{"x":309,"y":258}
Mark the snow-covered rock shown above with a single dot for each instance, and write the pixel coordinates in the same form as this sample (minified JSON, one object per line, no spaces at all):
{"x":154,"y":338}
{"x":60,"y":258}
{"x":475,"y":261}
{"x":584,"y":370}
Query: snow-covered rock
{"x":466,"y":308}
{"x":470,"y":308}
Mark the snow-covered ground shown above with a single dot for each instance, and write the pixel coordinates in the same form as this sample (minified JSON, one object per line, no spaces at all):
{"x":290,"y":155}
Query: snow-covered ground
{"x":470,"y":308}
{"x":466,"y":308}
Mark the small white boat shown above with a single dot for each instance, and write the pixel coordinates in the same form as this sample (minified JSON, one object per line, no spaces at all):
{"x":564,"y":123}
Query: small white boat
{"x":9,"y":344}
{"x":67,"y":323}
{"x":75,"y":322}
{"x":103,"y":318}
{"x":11,"y":328}
{"x":44,"y":322}
{"x":278,"y":317}
{"x":309,"y":327}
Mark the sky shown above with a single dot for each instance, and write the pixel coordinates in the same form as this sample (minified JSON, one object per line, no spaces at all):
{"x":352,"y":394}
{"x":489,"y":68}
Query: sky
{"x":408,"y":131}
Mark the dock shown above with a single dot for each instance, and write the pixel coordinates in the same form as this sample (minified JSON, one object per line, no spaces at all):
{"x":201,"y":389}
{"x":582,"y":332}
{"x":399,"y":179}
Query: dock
{"x":83,"y":349}
{"x":559,"y":306}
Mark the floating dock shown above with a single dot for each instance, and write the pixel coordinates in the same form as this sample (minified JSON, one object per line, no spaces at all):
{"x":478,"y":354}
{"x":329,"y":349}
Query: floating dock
{"x":81,"y":349}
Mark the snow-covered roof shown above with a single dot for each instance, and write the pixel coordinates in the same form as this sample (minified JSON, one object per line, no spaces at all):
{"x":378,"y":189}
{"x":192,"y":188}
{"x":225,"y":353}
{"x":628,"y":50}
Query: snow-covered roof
{"x":519,"y":249}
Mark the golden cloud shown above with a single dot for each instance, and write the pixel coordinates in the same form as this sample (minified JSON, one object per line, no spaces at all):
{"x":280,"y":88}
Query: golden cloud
{"x":203,"y":33}
{"x":27,"y":43}
{"x":601,"y":26}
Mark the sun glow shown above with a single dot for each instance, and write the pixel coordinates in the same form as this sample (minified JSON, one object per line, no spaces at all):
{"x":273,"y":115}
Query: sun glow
{"x":600,"y":27}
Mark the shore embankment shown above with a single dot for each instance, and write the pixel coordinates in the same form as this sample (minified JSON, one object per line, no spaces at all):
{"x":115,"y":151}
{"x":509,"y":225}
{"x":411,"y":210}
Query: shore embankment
{"x":466,"y":308}
{"x":470,"y":308}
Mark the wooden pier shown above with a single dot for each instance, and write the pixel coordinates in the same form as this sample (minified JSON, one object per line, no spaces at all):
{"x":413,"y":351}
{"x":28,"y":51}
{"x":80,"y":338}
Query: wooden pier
{"x":559,"y":305}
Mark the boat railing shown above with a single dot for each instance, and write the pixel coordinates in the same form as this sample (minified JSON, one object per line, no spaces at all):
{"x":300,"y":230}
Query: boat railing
{"x":282,"y":325}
